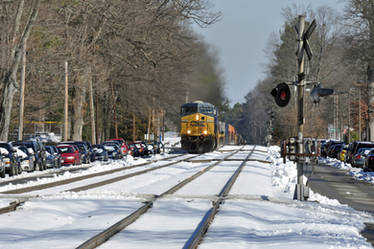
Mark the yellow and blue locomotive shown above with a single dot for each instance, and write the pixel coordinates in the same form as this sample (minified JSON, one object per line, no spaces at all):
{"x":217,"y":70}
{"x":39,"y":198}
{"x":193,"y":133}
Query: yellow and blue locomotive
{"x":200,"y":129}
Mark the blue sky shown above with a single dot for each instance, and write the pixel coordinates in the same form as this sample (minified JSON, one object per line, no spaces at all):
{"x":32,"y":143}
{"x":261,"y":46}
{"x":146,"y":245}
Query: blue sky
{"x":242,"y":35}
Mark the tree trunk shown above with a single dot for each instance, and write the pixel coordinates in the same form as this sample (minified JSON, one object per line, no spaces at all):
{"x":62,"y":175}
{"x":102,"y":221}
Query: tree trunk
{"x":92,"y":112}
{"x":78,"y":111}
{"x":370,"y":75}
{"x":6,"y":110}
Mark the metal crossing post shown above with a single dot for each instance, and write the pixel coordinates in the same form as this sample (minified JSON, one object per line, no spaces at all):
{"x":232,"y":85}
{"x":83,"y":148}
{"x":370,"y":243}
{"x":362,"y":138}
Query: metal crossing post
{"x":301,"y":191}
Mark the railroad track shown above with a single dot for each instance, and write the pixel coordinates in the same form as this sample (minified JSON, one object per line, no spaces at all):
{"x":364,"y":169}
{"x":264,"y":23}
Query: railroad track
{"x":16,"y":203}
{"x":105,"y":235}
{"x":84,"y":177}
{"x":198,"y":235}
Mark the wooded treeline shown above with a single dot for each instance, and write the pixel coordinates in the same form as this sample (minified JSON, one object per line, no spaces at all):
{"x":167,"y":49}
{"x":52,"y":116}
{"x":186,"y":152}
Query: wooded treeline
{"x":343,"y":59}
{"x":139,"y":56}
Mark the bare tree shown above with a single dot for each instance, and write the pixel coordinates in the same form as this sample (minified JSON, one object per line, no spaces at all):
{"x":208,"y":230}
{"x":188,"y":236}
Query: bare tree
{"x":13,"y":55}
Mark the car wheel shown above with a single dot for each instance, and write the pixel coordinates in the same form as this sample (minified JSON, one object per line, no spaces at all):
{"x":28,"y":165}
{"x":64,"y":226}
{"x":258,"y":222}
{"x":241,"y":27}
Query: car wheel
{"x":40,"y":166}
{"x":2,"y":174}
{"x":11,"y":171}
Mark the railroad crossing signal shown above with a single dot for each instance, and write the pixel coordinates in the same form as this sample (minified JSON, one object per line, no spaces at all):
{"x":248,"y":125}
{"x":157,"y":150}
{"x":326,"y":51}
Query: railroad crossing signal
{"x":281,"y":94}
{"x":304,"y":44}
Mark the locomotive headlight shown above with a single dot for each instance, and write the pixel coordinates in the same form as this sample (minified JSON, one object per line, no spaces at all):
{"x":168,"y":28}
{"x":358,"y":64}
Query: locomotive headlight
{"x":205,"y":132}
{"x":197,"y":117}
{"x":188,"y":132}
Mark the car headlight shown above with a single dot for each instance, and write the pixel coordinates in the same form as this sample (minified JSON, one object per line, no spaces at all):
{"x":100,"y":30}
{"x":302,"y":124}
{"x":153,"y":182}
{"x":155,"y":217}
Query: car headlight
{"x":205,"y":132}
{"x":188,"y":131}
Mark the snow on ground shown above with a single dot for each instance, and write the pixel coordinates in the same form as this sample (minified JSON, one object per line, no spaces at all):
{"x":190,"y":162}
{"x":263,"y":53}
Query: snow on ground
{"x":95,"y":167}
{"x":357,"y":173}
{"x":259,"y":212}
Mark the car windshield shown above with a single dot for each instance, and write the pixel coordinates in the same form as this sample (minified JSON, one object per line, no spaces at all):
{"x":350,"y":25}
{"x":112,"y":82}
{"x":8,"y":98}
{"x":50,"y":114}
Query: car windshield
{"x":24,"y":149}
{"x":109,"y":147}
{"x":49,"y":149}
{"x":364,"y":151}
{"x":66,"y":149}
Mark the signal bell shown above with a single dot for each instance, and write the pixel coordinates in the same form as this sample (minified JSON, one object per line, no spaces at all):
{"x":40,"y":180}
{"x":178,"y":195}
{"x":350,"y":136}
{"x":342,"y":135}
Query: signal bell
{"x":281,"y":94}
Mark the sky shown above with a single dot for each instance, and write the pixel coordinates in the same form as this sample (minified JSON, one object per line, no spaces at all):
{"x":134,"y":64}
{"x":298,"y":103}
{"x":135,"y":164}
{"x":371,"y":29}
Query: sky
{"x":241,"y":36}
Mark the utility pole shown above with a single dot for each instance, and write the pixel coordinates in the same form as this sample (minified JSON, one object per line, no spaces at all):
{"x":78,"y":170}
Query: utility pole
{"x":149,"y":125}
{"x":114,"y":96}
{"x":163,"y":125}
{"x":22,"y":93}
{"x":133,"y":127}
{"x":349,"y":116}
{"x":66,"y":103}
{"x":359,"y":114}
{"x":97,"y":118}
{"x":92,"y":116}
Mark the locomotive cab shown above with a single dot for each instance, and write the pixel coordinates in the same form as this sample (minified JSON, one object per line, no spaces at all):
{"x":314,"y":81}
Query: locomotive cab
{"x":198,"y":127}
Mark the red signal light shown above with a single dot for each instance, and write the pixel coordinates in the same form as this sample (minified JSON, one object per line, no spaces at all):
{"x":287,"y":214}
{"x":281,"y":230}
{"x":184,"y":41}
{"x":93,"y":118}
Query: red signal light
{"x":281,"y":94}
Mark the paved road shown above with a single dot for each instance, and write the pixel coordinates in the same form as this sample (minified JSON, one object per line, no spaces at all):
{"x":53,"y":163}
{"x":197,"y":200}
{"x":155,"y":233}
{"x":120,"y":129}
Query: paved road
{"x":338,"y":184}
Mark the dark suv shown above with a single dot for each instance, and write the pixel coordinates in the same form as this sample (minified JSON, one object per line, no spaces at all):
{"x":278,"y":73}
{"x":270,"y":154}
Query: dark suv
{"x":40,"y":153}
{"x":11,"y":160}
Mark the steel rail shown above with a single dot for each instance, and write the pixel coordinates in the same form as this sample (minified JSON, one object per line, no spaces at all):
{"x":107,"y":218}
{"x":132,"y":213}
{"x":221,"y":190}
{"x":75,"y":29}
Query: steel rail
{"x":11,"y":207}
{"x":200,"y":231}
{"x":105,"y":235}
{"x":79,"y":178}
{"x":120,"y":178}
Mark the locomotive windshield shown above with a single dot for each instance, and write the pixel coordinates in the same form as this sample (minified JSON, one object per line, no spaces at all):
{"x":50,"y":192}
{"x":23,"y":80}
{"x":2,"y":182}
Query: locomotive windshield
{"x":188,"y":109}
{"x":204,"y":108}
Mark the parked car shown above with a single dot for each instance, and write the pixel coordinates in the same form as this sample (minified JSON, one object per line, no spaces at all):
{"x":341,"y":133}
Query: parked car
{"x":90,"y":148}
{"x":369,"y":161}
{"x":84,"y":151}
{"x":335,"y":150}
{"x":101,"y":154}
{"x":122,"y":143}
{"x":70,"y":154}
{"x":114,"y":150}
{"x":144,"y":149}
{"x":11,"y":160}
{"x":54,"y":159}
{"x":2,"y":167}
{"x":158,"y":146}
{"x":331,"y":148}
{"x":358,"y":160}
{"x":26,"y":158}
{"x":356,"y":146}
{"x":139,"y":147}
{"x":133,"y":150}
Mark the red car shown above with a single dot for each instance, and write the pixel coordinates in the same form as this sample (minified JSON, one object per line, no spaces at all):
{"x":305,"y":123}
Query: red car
{"x":122,"y":143}
{"x":70,"y":154}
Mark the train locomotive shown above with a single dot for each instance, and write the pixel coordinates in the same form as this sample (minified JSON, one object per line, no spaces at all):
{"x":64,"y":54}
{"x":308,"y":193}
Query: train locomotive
{"x":200,"y":129}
